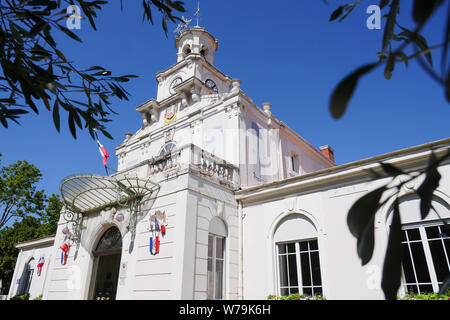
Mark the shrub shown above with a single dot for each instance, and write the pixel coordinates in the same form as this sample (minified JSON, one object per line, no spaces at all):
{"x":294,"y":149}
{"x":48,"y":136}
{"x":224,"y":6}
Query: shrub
{"x":426,"y":296}
{"x":296,"y":296}
{"x":22,"y":297}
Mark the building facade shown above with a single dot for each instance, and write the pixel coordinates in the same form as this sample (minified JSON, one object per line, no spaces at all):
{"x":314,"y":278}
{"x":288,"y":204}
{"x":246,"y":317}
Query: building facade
{"x":215,"y":198}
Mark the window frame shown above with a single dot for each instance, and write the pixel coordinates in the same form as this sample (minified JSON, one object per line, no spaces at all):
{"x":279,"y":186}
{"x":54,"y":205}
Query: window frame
{"x":295,"y":165}
{"x":300,"y":283}
{"x":256,"y":148}
{"x":214,"y":259}
{"x":424,"y":240}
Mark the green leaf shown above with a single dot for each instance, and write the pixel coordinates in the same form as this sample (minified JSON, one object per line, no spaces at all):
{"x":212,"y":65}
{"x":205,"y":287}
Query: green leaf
{"x":361,"y":211}
{"x":336,"y":13}
{"x":419,"y":40}
{"x":73,"y":131}
{"x":447,"y":86}
{"x":390,"y":24}
{"x":390,"y":169}
{"x":106,"y":134}
{"x":60,"y":55}
{"x":343,"y":92}
{"x":445,"y":286}
{"x":37,"y":28}
{"x":389,"y":66}
{"x":147,"y":11}
{"x":426,"y":189}
{"x":423,"y":9}
{"x":16,"y":111}
{"x":69,"y":33}
{"x":164,"y":24}
{"x":403,"y":57}
{"x":383,"y":3}
{"x":56,"y":119}
{"x":392,"y":268}
{"x":77,"y":119}
{"x":445,"y":42}
{"x":349,"y":9}
{"x":366,"y":241}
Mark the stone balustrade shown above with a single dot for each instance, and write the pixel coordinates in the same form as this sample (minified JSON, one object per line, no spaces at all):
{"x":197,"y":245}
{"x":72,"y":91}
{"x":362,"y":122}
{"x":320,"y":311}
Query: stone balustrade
{"x":193,"y":158}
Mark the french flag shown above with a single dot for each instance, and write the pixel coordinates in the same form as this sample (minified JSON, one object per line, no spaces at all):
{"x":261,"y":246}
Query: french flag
{"x":103,"y":152}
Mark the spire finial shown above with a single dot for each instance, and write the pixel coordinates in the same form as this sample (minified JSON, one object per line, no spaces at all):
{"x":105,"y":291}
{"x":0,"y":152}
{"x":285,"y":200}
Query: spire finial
{"x":197,"y":13}
{"x":183,"y":25}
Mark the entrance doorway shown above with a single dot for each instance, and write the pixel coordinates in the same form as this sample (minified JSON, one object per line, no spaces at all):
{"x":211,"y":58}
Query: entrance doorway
{"x":106,"y":265}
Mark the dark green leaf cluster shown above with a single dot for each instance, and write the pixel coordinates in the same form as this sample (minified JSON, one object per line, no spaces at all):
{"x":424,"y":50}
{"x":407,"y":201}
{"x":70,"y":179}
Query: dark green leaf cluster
{"x":35,"y":73}
{"x":165,"y":7}
{"x":22,"y":297}
{"x":29,"y":228}
{"x":36,"y":214}
{"x":343,"y":11}
{"x":361,"y":217}
{"x":423,"y":10}
{"x":427,"y":296}
{"x":18,"y":194}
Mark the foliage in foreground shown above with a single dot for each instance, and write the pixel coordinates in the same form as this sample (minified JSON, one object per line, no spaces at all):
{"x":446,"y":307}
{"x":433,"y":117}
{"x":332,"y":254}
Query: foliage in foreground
{"x":361,"y":218}
{"x":36,"y":75}
{"x":296,"y":296}
{"x":36,"y":215}
{"x":426,"y":296}
{"x":22,"y":297}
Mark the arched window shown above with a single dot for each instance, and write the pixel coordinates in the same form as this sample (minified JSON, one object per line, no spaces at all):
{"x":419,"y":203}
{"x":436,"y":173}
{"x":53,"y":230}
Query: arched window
{"x":204,"y":51}
{"x":186,"y":50}
{"x":109,"y":242}
{"x":105,"y":275}
{"x":167,"y":148}
{"x":425,"y":245}
{"x":27,"y":277}
{"x":216,"y":258}
{"x":297,"y":252}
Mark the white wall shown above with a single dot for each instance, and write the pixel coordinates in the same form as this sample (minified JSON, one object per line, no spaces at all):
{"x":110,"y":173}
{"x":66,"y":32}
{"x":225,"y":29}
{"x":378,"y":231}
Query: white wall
{"x":327,"y":205}
{"x":32,"y":252}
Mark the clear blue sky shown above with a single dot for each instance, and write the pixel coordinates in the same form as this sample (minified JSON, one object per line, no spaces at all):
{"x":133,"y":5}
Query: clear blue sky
{"x":285,"y":52}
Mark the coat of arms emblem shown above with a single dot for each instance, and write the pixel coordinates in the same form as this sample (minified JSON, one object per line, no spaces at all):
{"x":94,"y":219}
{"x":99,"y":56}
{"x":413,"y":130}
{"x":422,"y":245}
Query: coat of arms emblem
{"x":171,"y":113}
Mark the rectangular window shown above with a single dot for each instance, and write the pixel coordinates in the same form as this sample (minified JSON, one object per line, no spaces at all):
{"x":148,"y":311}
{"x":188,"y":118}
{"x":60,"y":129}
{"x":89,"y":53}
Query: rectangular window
{"x":255,"y":145}
{"x":294,"y":163}
{"x":27,"y":282}
{"x":426,"y":252}
{"x":299,"y":268}
{"x":216,"y":262}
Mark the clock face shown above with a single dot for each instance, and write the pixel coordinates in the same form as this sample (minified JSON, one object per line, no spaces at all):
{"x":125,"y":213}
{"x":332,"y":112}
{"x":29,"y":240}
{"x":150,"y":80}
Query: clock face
{"x":210,"y":84}
{"x":173,"y":84}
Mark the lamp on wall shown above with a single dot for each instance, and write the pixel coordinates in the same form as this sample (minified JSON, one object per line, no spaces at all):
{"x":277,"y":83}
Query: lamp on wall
{"x":66,"y":231}
{"x":119,"y":217}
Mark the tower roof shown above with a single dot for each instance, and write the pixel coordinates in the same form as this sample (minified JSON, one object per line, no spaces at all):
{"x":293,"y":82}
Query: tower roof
{"x":198,"y":31}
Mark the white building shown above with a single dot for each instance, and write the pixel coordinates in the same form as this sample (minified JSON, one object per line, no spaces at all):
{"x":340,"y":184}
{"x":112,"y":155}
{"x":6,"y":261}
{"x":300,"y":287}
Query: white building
{"x":248,"y":206}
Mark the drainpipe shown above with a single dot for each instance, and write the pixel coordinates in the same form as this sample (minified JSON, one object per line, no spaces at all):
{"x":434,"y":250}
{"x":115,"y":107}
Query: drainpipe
{"x":241,"y":256}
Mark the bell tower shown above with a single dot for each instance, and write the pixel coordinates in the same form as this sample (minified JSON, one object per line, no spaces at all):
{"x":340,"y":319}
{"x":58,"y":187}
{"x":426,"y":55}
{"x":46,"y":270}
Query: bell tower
{"x":197,"y":41}
{"x":192,"y":77}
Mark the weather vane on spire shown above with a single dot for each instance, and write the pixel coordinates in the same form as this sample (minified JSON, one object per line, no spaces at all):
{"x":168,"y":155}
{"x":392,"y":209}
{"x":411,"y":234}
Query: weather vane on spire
{"x":197,"y":13}
{"x":182,"y":25}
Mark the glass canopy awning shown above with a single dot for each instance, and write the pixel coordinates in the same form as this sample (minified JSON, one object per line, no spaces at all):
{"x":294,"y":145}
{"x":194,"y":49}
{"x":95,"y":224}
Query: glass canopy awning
{"x":86,"y":193}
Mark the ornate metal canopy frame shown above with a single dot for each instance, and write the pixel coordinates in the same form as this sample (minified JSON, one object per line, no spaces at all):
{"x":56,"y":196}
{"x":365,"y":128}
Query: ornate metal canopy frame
{"x":83,"y":194}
